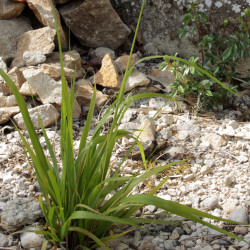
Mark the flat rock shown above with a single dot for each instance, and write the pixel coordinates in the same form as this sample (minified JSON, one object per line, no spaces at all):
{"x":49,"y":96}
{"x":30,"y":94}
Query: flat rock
{"x":71,"y":63}
{"x":44,"y":13}
{"x":18,"y":213}
{"x":46,"y":88}
{"x":10,"y":30}
{"x":84,"y":90}
{"x":147,"y":132}
{"x":95,"y":23}
{"x":10,"y":9}
{"x":122,"y":61}
{"x":216,"y":141}
{"x":108,"y":75}
{"x":7,"y":112}
{"x":39,"y":40}
{"x":48,"y":114}
{"x":136,"y":79}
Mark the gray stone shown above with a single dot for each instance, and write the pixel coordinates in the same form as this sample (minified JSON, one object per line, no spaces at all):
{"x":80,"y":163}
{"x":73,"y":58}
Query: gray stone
{"x":95,"y":23}
{"x":48,"y":114}
{"x":241,"y":230}
{"x":10,"y":30}
{"x":168,"y":244}
{"x":3,"y":66}
{"x":5,"y":240}
{"x":18,"y":213}
{"x":31,"y":239}
{"x":102,"y":51}
{"x":239,"y":215}
{"x":210,"y":202}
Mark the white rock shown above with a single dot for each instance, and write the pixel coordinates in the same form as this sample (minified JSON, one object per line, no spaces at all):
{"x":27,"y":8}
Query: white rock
{"x":33,"y":57}
{"x":239,"y":215}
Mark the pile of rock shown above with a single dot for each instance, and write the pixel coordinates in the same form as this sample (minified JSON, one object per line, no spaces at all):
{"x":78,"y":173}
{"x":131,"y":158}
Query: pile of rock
{"x":35,"y":67}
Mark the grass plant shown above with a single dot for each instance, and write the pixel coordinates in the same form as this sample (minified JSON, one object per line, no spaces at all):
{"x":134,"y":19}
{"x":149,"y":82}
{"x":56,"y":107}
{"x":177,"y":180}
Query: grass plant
{"x":76,"y":200}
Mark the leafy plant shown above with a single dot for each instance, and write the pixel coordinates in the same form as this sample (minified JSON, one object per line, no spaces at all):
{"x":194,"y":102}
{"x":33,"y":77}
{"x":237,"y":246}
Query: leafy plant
{"x":219,"y":54}
{"x":77,"y":203}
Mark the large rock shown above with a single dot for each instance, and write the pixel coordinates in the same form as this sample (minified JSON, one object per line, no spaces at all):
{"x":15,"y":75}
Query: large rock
{"x":10,"y":30}
{"x":31,"y":239}
{"x":95,"y":23}
{"x":7,"y":112}
{"x":32,"y":58}
{"x":47,"y":112}
{"x":47,"y":89}
{"x":84,"y":91}
{"x":18,"y":213}
{"x":10,"y":9}
{"x":35,"y":40}
{"x":44,"y":13}
{"x":71,"y":62}
{"x":108,"y":75}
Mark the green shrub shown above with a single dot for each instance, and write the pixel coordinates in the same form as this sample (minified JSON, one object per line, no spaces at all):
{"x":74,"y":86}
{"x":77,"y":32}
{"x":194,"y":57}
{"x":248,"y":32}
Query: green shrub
{"x":219,"y":54}
{"x":76,"y":201}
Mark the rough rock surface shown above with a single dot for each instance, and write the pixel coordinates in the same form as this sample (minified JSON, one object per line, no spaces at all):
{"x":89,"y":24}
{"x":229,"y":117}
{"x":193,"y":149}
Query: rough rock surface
{"x":10,"y":30}
{"x":35,"y":40}
{"x":7,"y":101}
{"x":7,"y":112}
{"x":19,"y":212}
{"x":84,"y":90}
{"x":32,"y":58}
{"x":48,"y":114}
{"x":122,"y":61}
{"x":95,"y":23}
{"x":31,"y":240}
{"x":136,"y":79}
{"x":108,"y":75}
{"x":44,"y":13}
{"x":10,"y":9}
{"x":71,"y":62}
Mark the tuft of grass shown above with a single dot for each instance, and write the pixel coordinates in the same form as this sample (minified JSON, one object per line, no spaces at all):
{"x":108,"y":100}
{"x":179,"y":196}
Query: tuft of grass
{"x":76,"y":199}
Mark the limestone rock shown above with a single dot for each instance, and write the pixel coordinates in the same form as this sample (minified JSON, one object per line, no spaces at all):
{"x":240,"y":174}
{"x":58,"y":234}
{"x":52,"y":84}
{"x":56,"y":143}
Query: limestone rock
{"x":147,"y":132}
{"x":5,"y":240}
{"x":3,"y":66}
{"x":108,"y":75}
{"x":30,"y":239}
{"x":7,"y":112}
{"x":33,"y":57}
{"x":18,"y":213}
{"x":17,"y":77}
{"x":71,"y":62}
{"x":215,"y":140}
{"x":7,"y":101}
{"x":35,"y":40}
{"x":136,"y":79}
{"x":84,"y":90}
{"x":210,"y":202}
{"x":27,"y":90}
{"x":10,"y":30}
{"x":239,"y":215}
{"x":48,"y":114}
{"x":122,"y":61}
{"x":47,"y":89}
{"x":95,"y":23}
{"x":44,"y":13}
{"x":10,"y":9}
